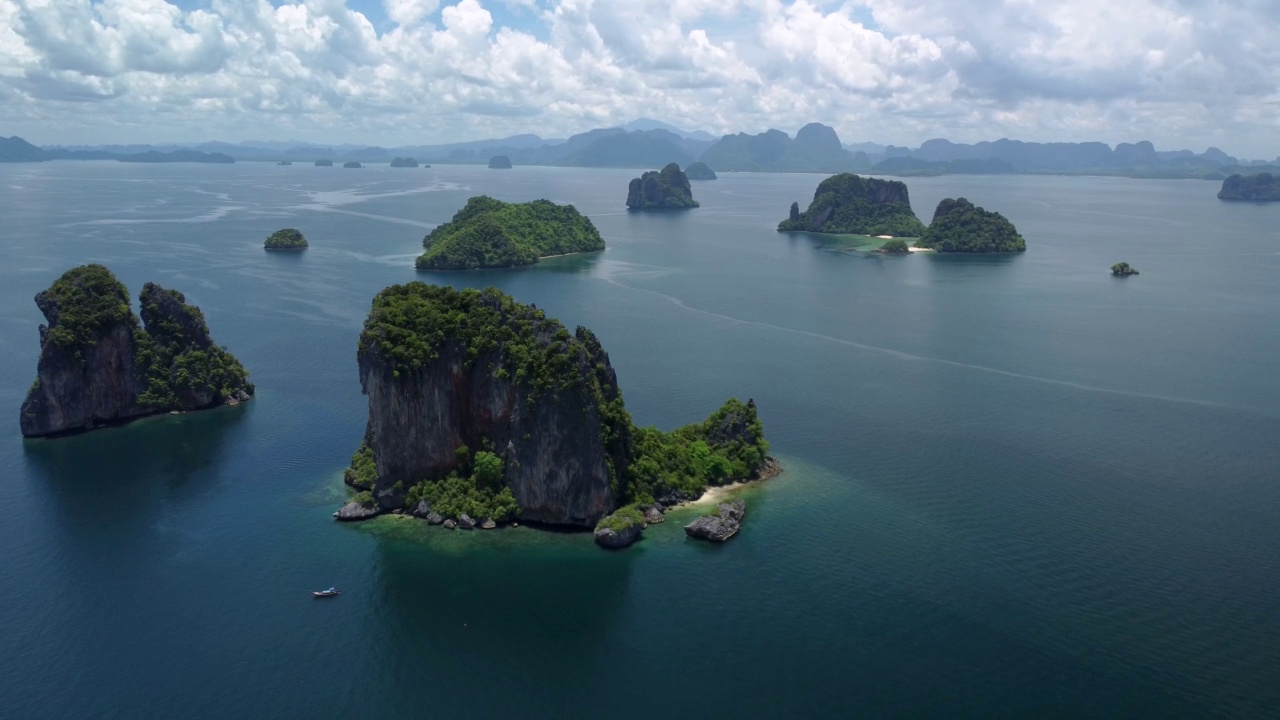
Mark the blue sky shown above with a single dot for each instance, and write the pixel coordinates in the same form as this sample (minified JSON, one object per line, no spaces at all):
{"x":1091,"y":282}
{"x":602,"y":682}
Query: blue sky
{"x":1181,"y":73}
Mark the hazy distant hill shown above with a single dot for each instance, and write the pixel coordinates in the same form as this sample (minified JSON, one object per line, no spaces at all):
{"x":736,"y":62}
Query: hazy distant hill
{"x":816,"y":148}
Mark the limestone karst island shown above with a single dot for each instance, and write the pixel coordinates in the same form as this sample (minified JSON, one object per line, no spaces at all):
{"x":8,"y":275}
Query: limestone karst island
{"x":1263,"y":187}
{"x":483,"y":411}
{"x":667,"y":189}
{"x":489,"y":233}
{"x":98,"y":367}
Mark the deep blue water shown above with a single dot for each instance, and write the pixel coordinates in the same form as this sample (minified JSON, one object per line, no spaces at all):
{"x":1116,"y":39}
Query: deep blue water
{"x":1016,"y":486}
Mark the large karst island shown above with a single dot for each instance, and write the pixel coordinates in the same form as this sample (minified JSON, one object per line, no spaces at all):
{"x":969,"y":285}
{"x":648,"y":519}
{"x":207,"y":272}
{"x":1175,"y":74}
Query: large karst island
{"x":489,"y":233}
{"x":483,"y":410}
{"x":851,"y":205}
{"x":699,"y":171}
{"x":959,"y":226}
{"x":499,"y":162}
{"x":667,"y":189}
{"x":98,"y":367}
{"x":1263,"y":187}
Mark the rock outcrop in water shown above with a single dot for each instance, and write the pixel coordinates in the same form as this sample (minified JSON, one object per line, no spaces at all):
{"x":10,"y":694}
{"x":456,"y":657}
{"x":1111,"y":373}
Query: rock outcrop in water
{"x":665,"y":190}
{"x":1263,"y":187}
{"x":700,"y":171}
{"x":719,"y":525}
{"x":849,"y":204}
{"x":98,"y":367}
{"x":959,"y":226}
{"x":483,"y":407}
{"x":499,"y":162}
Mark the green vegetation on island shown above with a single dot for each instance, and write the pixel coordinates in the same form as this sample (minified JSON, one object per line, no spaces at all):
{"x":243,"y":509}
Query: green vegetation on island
{"x":98,"y":366}
{"x":1123,"y":269}
{"x":525,"y":395}
{"x":1263,"y":187}
{"x":404,"y":162}
{"x":489,"y":233}
{"x":853,"y":205}
{"x":700,"y":171}
{"x":285,"y":239}
{"x":959,"y":226}
{"x":499,"y":162}
{"x":352,"y":164}
{"x":895,"y":246}
{"x":667,"y":189}
{"x":323,"y":162}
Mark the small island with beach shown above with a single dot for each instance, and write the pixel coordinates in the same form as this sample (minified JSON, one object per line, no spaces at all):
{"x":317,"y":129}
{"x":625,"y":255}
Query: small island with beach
{"x":847,"y":204}
{"x":489,"y":233}
{"x":484,"y":411}
{"x":959,"y":226}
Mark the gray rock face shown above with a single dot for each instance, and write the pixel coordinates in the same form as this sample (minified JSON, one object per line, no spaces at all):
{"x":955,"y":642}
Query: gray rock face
{"x":720,"y":525}
{"x":488,"y":524}
{"x":555,"y":458}
{"x":423,"y":510}
{"x":466,"y":523}
{"x":435,"y":518}
{"x":653,"y":516}
{"x":610,"y":538}
{"x":355,"y":511}
{"x":450,"y":524}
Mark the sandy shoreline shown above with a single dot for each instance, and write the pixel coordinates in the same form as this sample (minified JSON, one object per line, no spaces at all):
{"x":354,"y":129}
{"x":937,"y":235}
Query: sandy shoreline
{"x":915,"y":249}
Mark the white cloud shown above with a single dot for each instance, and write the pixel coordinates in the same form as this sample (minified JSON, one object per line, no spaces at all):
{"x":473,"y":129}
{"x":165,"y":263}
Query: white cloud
{"x":1178,"y":72}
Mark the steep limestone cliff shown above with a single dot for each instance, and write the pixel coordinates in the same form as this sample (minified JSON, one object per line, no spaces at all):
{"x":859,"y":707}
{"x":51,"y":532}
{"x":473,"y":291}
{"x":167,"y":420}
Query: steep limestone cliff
{"x":665,"y":190}
{"x":445,"y":369}
{"x":847,"y":203}
{"x":98,"y":367}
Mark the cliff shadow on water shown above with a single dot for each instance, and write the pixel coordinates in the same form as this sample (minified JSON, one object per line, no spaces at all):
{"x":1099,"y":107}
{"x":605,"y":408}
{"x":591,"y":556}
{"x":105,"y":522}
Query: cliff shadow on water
{"x":499,"y":604}
{"x":116,"y":476}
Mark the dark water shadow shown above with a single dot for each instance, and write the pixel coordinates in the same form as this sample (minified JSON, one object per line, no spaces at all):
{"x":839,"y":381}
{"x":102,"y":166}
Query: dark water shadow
{"x":119,"y":475}
{"x":523,"y":613}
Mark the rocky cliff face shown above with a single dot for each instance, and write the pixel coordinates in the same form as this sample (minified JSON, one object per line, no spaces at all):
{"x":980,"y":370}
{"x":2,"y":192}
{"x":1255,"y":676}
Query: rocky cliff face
{"x":665,"y":190}
{"x":97,"y":367}
{"x":506,"y":377}
{"x":83,"y":383}
{"x":847,"y":203}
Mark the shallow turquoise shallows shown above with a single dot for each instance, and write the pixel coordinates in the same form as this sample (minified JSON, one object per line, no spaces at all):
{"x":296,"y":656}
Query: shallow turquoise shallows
{"x":1016,"y":486}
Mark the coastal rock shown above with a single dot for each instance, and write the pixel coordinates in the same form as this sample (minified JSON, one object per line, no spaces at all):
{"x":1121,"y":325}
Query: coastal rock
{"x":98,"y":367}
{"x":499,"y":162}
{"x":653,"y":516}
{"x":450,"y":524}
{"x":560,"y":449}
{"x":720,"y":525}
{"x":665,"y":190}
{"x":488,"y":524}
{"x":465,"y":522}
{"x":1123,"y":269}
{"x":849,"y":204}
{"x":620,"y":528}
{"x":435,"y":518}
{"x":353,"y":511}
{"x":423,"y":510}
{"x":959,"y":226}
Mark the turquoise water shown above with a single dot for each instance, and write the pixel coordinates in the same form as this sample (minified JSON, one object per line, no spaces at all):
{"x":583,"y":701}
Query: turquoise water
{"x":1016,"y":486}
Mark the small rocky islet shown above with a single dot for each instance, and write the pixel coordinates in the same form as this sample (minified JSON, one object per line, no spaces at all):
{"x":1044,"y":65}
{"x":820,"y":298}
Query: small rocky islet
{"x":285,"y":239}
{"x":489,"y":233}
{"x":482,"y":407}
{"x":99,"y":367}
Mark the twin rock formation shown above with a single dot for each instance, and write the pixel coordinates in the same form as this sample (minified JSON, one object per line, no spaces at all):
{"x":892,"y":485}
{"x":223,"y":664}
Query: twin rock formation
{"x":98,"y":367}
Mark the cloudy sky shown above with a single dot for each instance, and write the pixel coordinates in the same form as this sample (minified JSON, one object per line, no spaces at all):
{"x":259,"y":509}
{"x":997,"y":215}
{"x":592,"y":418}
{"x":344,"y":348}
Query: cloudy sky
{"x":1182,"y":73}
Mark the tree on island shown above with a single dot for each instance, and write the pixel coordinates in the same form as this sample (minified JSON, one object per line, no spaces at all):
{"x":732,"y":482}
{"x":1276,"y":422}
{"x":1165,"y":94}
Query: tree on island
{"x":849,"y":204}
{"x":960,"y":226}
{"x":489,"y":233}
{"x":285,"y":239}
{"x":1123,"y":269}
{"x":668,"y":189}
{"x":499,"y":162}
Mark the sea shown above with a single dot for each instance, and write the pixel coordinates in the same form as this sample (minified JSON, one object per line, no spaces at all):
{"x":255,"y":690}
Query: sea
{"x":1015,"y":486}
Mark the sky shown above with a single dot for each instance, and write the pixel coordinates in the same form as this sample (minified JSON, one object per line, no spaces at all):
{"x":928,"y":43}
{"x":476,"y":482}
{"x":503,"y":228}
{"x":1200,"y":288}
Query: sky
{"x":1181,"y":73}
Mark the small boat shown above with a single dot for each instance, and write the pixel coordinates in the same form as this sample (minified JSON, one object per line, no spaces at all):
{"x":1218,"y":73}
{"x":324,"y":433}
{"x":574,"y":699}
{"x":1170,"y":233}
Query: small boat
{"x":325,"y":593}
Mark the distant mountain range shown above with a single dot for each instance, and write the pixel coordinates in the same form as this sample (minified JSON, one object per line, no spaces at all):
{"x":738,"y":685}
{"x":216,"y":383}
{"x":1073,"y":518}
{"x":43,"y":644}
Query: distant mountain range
{"x":648,"y":143}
